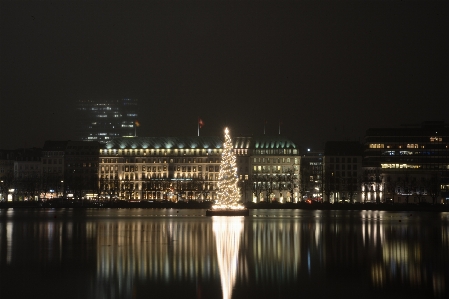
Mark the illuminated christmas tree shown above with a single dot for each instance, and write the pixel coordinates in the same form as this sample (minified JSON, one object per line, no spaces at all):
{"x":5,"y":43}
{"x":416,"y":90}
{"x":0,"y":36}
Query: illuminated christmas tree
{"x":228,"y":192}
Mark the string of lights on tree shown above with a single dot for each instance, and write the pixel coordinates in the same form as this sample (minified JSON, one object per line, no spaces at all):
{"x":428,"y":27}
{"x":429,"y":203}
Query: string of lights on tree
{"x":228,"y":191}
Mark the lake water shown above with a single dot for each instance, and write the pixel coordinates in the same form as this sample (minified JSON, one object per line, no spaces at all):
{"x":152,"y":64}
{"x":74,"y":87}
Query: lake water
{"x":169,"y":253}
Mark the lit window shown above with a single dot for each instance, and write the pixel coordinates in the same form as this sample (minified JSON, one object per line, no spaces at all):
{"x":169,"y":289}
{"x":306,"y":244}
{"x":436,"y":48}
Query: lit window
{"x":376,"y":145}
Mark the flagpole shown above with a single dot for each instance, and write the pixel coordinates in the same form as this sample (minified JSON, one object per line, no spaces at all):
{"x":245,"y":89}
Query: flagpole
{"x":198,"y":123}
{"x":279,"y":127}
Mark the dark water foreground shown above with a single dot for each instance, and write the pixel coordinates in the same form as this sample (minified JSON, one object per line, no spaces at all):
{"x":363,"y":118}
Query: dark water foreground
{"x":180,"y":253}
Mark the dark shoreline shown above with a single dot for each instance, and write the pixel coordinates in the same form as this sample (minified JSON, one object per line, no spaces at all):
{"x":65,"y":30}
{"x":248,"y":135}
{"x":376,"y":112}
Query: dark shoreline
{"x":207,"y":205}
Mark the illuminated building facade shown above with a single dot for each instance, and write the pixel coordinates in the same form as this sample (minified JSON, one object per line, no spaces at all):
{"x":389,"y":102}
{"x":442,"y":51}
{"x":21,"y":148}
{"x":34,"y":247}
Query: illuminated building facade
{"x":103,"y":120}
{"x":274,"y":169}
{"x":342,"y":171}
{"x":187,"y":168}
{"x":408,"y":164}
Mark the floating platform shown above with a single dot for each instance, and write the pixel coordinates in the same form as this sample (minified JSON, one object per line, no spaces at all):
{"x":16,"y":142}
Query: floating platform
{"x":227,"y":212}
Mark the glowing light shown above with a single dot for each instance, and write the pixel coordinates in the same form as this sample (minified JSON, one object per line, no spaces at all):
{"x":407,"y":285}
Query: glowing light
{"x":227,"y":232}
{"x":228,"y":192}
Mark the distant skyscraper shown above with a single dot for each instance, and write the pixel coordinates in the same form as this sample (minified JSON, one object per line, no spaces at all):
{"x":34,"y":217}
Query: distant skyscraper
{"x":103,"y":120}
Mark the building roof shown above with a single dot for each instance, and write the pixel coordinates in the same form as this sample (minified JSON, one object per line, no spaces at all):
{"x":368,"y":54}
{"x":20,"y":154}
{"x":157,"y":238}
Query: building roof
{"x":263,"y":142}
{"x":438,"y":128}
{"x":28,"y":154}
{"x":55,"y":145}
{"x":83,"y":144}
{"x":164,"y":142}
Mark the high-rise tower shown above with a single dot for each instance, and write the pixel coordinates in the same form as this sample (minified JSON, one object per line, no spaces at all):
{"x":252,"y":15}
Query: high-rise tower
{"x":103,"y":120}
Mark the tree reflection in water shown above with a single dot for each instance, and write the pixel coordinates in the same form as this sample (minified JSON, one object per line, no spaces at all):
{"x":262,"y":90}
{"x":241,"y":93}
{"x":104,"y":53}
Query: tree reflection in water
{"x":147,"y":253}
{"x":227,"y":232}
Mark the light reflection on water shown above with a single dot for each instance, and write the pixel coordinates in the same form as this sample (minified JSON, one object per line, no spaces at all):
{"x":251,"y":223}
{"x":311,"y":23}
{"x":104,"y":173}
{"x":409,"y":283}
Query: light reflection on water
{"x":139,"y":253}
{"x":227,"y":232}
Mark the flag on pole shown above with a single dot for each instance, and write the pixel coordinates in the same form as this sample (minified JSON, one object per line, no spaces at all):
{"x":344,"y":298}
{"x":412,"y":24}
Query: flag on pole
{"x":200,"y":125}
{"x":136,"y":124}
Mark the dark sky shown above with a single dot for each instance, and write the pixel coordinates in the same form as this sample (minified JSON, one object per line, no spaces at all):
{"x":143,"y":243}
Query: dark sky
{"x":328,"y":70}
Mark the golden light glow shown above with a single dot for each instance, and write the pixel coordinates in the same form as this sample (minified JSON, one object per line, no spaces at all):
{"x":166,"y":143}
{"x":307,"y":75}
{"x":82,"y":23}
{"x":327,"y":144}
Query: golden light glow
{"x":228,"y":192}
{"x":227,"y":232}
{"x":385,"y":165}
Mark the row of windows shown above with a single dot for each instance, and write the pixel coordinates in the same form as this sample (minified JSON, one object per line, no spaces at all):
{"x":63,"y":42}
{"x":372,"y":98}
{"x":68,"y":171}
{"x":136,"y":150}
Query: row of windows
{"x":407,"y":145}
{"x":436,"y":139}
{"x":52,"y":153}
{"x":143,"y":176}
{"x":162,"y":151}
{"x":51,"y":161}
{"x":195,"y":151}
{"x":400,"y":166}
{"x":269,"y":168}
{"x":162,"y":160}
{"x":376,"y":145}
{"x":272,"y":185}
{"x":26,"y":167}
{"x":240,"y":151}
{"x":168,"y":151}
{"x":423,"y":153}
{"x":273,"y":160}
{"x":161,"y":168}
{"x":150,"y":191}
{"x":276,"y":151}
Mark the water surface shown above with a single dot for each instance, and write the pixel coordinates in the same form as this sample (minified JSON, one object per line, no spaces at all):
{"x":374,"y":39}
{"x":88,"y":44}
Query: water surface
{"x":169,"y":253}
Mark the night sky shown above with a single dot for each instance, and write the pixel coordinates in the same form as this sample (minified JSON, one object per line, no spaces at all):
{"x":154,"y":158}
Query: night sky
{"x":328,"y":70}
